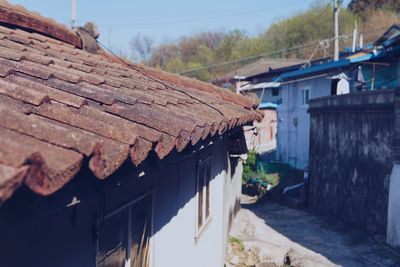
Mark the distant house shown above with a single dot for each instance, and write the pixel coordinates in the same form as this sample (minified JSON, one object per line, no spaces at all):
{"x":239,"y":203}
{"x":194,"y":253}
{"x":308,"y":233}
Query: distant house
{"x":261,"y":136}
{"x":108,"y":163}
{"x":239,"y":77}
{"x":267,"y":93}
{"x":298,"y":87}
{"x":368,"y":69}
{"x":330,"y":78}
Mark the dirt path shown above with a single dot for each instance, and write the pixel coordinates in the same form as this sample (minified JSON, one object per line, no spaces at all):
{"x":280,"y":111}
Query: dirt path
{"x":270,"y":232}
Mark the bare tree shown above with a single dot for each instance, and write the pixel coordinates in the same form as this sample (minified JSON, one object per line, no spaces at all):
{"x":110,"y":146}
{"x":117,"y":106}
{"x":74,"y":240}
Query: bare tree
{"x":142,"y":47}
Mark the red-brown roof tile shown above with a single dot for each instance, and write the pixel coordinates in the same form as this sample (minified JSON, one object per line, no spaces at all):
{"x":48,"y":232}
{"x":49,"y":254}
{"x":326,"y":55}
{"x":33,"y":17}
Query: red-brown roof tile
{"x":60,"y":105}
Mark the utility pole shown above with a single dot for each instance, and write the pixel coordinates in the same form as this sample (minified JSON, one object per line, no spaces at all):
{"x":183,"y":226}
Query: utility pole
{"x":73,"y":14}
{"x":336,"y":22}
{"x":355,"y":33}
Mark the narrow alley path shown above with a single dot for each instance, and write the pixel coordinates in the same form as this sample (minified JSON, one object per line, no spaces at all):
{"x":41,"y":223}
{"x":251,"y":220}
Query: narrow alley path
{"x":272,"y":231}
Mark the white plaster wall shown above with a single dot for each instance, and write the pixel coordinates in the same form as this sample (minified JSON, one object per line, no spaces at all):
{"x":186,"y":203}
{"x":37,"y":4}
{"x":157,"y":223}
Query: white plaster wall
{"x":174,"y":241}
{"x":393,"y":227}
{"x":293,"y":139}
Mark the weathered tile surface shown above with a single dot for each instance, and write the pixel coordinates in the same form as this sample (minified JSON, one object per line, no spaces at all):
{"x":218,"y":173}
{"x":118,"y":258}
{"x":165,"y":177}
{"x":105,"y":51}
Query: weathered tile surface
{"x":60,"y":105}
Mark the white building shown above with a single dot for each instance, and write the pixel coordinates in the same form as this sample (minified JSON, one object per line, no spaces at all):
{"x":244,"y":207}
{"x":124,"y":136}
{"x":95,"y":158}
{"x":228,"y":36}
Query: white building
{"x":298,"y":87}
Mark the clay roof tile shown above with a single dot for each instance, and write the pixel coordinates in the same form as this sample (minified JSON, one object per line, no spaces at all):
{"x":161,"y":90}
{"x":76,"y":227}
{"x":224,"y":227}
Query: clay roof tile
{"x":60,"y":105}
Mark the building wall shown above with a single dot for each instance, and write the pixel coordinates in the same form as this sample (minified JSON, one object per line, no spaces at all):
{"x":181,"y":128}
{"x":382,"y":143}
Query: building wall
{"x":37,"y":231}
{"x":351,"y":157}
{"x":265,"y":139}
{"x":294,"y":120}
{"x":393,"y":226}
{"x":268,"y":96}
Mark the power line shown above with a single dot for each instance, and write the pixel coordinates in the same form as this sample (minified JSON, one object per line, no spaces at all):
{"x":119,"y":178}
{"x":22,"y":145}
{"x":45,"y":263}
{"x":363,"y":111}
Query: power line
{"x":249,"y":58}
{"x":176,"y":21}
{"x":274,"y":52}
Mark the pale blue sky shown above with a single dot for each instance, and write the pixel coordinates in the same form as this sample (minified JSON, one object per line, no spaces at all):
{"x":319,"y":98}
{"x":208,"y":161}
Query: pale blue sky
{"x":120,"y":20}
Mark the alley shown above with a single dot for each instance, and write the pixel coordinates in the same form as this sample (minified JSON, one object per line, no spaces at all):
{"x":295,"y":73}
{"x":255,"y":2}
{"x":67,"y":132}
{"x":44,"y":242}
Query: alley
{"x":272,"y":231}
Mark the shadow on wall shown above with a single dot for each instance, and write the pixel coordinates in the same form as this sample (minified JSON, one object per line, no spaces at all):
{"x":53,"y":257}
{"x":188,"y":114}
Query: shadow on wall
{"x":54,"y":229}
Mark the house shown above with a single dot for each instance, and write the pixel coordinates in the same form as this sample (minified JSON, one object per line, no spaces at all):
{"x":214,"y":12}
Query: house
{"x":330,"y":78}
{"x":262,"y":136}
{"x":239,"y":77}
{"x":108,"y":163}
{"x":298,"y":87}
{"x":370,"y":68}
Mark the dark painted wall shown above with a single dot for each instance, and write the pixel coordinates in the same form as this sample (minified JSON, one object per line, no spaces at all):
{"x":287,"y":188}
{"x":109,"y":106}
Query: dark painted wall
{"x":351,"y":141}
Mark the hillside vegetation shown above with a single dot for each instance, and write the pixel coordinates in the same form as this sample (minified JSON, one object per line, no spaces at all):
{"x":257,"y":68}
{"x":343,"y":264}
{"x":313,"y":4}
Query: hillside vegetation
{"x":306,"y":35}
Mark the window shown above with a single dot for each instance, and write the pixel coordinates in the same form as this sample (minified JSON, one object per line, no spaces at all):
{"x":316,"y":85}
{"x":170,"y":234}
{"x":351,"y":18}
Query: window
{"x":275,"y":91}
{"x":203,"y":194}
{"x":124,"y":235}
{"x":305,"y":96}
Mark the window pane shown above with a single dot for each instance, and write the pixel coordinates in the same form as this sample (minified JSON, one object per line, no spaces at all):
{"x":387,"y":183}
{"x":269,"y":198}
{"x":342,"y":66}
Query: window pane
{"x":112,"y":241}
{"x":140,"y":229}
{"x":305,"y":96}
{"x":208,"y":178}
{"x":200,"y":201}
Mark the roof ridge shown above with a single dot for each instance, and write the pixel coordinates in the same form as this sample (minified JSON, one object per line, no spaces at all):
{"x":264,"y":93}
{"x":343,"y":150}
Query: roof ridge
{"x":19,"y":17}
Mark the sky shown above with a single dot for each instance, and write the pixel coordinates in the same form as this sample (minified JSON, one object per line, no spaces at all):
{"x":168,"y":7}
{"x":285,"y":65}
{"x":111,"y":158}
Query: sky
{"x":162,"y":20}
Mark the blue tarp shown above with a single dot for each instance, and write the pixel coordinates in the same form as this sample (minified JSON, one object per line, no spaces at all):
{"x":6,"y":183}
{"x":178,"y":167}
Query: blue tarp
{"x":264,"y":105}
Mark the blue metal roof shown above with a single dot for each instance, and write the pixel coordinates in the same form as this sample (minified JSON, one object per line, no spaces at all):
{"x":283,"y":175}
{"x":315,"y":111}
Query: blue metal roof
{"x":316,"y":68}
{"x":329,"y":66}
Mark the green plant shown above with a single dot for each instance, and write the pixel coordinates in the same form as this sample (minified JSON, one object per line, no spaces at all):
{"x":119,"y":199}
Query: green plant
{"x":249,"y":166}
{"x":236,"y":240}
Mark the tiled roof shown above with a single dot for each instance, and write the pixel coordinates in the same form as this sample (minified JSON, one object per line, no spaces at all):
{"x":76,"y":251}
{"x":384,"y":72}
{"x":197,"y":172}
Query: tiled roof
{"x":260,"y":66}
{"x":62,"y":107}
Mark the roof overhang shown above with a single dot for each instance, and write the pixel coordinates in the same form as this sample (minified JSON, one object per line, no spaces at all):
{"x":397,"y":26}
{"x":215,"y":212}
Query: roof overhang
{"x":250,"y":87}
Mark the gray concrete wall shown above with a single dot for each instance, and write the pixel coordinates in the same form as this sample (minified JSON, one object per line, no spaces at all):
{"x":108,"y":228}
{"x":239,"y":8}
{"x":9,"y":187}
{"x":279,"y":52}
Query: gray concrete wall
{"x":393,"y":227}
{"x":294,"y":120}
{"x":37,"y":231}
{"x":351,"y":157}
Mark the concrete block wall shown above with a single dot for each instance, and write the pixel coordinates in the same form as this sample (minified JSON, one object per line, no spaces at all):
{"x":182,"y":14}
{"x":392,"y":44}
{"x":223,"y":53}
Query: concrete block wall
{"x":351,"y":157}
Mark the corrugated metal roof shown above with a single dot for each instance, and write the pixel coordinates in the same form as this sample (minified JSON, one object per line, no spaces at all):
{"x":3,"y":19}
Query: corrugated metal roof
{"x":328,"y":66}
{"x":315,"y":69}
{"x":60,"y":105}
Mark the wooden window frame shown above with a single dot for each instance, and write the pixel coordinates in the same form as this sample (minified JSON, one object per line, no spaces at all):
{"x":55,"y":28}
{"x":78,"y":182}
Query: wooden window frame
{"x":206,"y":198}
{"x":304,"y":101}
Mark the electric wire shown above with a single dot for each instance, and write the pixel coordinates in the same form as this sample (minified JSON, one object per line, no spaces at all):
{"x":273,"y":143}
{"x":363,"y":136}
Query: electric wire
{"x":177,"y":21}
{"x":285,"y":50}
